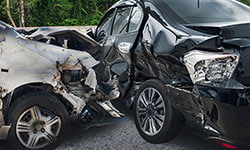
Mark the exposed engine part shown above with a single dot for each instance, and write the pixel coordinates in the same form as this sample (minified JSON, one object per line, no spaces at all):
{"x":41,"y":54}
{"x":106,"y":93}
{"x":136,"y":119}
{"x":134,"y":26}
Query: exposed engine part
{"x":86,"y":117}
{"x":74,"y":81}
{"x":91,"y":115}
{"x":83,"y":84}
{"x":76,"y":88}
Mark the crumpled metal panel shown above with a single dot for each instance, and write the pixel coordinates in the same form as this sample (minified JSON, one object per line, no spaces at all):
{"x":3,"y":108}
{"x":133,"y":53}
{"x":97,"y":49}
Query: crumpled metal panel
{"x":25,"y":61}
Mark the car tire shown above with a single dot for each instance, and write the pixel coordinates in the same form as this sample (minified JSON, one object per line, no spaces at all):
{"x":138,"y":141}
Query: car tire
{"x":156,"y":120}
{"x":39,"y":121}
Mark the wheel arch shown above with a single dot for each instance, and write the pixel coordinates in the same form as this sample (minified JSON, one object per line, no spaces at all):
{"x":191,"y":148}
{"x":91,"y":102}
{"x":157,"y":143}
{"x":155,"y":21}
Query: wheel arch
{"x":31,"y":88}
{"x":171,"y":126}
{"x":37,"y":112}
{"x":178,"y":112}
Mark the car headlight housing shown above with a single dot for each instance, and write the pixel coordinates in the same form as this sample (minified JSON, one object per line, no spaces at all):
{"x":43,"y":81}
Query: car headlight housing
{"x":211,"y":66}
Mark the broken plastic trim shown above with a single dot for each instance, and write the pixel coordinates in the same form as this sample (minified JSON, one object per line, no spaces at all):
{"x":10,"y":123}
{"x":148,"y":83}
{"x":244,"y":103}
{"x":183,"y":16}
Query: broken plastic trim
{"x":211,"y":66}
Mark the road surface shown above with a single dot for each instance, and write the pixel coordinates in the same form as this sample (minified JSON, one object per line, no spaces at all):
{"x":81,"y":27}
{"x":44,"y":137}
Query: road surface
{"x":124,"y":136}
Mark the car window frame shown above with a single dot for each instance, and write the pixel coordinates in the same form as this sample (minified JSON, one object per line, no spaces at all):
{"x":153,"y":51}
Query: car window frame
{"x":111,"y":22}
{"x":132,"y":7}
{"x":120,"y":7}
{"x":115,"y":9}
{"x":140,"y":21}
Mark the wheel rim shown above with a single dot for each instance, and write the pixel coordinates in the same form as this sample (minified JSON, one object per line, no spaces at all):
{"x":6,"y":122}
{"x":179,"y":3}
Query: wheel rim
{"x":36,"y":128}
{"x":150,"y":111}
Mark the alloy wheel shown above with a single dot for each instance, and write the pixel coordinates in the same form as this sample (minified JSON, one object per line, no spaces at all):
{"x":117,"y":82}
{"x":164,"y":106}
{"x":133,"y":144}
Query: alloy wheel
{"x":151,"y":111}
{"x":37,"y":128}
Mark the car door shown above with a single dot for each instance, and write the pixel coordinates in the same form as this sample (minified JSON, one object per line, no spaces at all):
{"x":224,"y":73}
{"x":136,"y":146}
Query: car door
{"x":119,"y":41}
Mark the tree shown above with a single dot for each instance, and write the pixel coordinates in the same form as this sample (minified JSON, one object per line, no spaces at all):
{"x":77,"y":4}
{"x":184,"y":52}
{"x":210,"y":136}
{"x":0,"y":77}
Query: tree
{"x":21,"y":14}
{"x":9,"y":14}
{"x":53,"y":12}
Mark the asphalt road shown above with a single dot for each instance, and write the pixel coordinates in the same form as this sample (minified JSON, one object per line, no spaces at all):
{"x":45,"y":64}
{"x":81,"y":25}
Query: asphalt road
{"x":124,"y":136}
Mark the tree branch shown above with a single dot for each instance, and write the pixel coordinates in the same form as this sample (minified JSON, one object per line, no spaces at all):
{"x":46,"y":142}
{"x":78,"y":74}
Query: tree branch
{"x":9,"y":14}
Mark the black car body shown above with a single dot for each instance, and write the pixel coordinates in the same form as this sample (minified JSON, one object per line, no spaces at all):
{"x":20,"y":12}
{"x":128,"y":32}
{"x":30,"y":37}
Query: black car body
{"x":181,"y":62}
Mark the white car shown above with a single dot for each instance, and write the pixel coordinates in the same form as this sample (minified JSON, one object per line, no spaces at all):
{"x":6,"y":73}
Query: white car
{"x":44,"y":75}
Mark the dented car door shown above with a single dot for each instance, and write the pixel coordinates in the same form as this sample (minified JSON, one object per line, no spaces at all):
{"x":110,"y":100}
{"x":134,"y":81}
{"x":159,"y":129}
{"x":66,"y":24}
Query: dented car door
{"x":125,"y":25}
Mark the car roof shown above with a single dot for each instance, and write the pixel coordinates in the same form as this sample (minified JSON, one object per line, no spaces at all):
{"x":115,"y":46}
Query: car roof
{"x":124,"y":3}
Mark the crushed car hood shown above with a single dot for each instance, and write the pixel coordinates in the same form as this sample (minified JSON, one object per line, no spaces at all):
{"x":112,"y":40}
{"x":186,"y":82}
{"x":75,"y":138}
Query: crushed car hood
{"x":27,"y":61}
{"x":46,"y":32}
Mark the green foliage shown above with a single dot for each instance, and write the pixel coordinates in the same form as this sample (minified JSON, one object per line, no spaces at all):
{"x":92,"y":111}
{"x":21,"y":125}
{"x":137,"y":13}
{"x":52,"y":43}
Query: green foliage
{"x":245,"y":1}
{"x":60,"y":12}
{"x":3,"y":13}
{"x":57,"y":12}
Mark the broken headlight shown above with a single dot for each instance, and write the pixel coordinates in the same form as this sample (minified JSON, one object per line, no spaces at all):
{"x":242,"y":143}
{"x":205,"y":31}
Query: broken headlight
{"x":211,"y":66}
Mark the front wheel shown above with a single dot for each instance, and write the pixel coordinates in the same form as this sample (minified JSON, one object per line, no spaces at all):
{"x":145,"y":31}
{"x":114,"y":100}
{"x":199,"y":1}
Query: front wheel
{"x":38,"y":120}
{"x":155,"y":119}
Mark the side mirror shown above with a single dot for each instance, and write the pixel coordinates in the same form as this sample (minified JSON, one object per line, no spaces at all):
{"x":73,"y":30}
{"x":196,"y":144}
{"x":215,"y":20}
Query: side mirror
{"x":90,"y":33}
